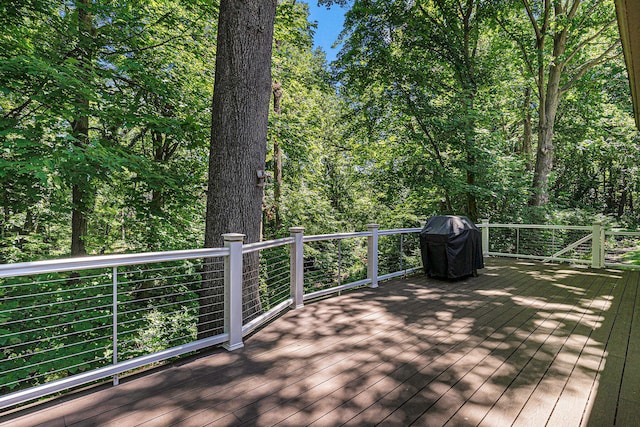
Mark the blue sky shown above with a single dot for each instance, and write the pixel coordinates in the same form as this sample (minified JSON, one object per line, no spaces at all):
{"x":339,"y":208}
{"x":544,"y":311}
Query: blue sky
{"x":329,"y":26}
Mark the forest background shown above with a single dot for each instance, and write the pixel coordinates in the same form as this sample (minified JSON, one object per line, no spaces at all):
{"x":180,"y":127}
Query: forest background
{"x":513,"y":111}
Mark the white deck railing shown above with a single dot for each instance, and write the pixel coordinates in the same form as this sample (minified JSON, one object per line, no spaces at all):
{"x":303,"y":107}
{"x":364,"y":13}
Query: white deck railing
{"x":547,"y":243}
{"x":592,"y":245}
{"x":70,"y":322}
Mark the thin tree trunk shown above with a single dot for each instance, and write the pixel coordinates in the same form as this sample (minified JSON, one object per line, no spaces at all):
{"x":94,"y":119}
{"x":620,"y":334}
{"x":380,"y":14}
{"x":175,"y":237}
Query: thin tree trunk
{"x":162,"y":152}
{"x":611,"y":191}
{"x":470,"y":114}
{"x":622,"y":203}
{"x":550,"y":99}
{"x":527,"y":130}
{"x":470,"y":142}
{"x":79,"y":212}
{"x":277,"y":157}
{"x":240,"y":109}
{"x":82,"y":193}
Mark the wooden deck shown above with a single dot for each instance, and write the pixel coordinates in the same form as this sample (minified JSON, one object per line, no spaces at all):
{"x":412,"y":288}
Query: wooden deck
{"x":523,"y":344}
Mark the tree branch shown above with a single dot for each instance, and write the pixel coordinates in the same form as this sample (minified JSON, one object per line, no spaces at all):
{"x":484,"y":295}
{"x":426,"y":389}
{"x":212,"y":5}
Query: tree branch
{"x":142,"y":49}
{"x":574,"y":9}
{"x":15,"y":112}
{"x":588,"y":13}
{"x":545,"y":22}
{"x":587,"y":41}
{"x":525,"y":57}
{"x":589,"y":65}
{"x":534,"y":23}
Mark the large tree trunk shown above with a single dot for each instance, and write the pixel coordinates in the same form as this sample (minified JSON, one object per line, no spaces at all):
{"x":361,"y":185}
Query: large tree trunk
{"x":544,"y":154}
{"x":240,"y":111}
{"x":544,"y":165}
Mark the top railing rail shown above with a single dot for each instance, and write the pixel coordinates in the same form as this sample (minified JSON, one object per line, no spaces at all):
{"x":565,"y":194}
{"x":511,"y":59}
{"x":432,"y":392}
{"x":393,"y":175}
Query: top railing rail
{"x":133,"y":301}
{"x":92,"y":262}
{"x":617,"y":232}
{"x":576,"y":244}
{"x":103,"y":261}
{"x":267,"y":244}
{"x":399,"y":231}
{"x":336,"y":236}
{"x":537,"y":226}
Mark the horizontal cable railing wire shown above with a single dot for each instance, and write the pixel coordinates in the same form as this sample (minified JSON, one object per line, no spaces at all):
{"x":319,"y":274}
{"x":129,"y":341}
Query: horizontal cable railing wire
{"x":72,"y":327}
{"x":336,"y":236}
{"x":267,"y":270}
{"x":269,"y":278}
{"x":398,"y":252}
{"x":159,"y":305}
{"x":399,"y":231}
{"x":334,"y":262}
{"x":546,"y":243}
{"x":622,"y":249}
{"x":54,"y":325}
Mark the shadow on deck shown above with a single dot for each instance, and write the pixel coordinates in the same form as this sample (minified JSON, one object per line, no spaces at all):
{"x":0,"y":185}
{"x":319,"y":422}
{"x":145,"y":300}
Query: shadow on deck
{"x":523,"y":344}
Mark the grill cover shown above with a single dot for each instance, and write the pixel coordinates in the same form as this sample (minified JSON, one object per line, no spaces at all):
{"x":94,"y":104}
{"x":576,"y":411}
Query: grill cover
{"x":451,"y":247}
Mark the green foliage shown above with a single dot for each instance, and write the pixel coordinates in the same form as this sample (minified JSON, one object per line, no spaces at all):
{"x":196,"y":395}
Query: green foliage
{"x":165,"y":330}
{"x":143,"y":77}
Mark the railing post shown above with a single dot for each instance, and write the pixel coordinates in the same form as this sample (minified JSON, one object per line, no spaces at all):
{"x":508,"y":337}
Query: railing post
{"x":372,"y":254}
{"x":233,"y":291}
{"x":114,"y":278}
{"x":402,"y":252}
{"x":339,"y":262}
{"x":297,"y":266}
{"x":597,"y":246}
{"x":485,"y":237}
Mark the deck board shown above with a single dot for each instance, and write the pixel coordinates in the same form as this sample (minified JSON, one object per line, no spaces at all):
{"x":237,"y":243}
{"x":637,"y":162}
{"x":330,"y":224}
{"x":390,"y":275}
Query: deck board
{"x":523,"y":344}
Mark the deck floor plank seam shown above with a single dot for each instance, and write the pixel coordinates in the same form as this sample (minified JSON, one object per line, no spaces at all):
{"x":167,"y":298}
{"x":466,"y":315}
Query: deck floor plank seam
{"x":523,"y":359}
{"x":307,"y":420}
{"x":297,"y":348}
{"x":625,"y":365}
{"x":370,"y":338}
{"x":442,"y":353}
{"x":572,"y":400}
{"x":519,"y":327}
{"x":599,"y":409}
{"x":388,"y":326}
{"x":423,"y":352}
{"x":549,"y":385}
{"x":516,"y":395}
{"x":515,"y":346}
